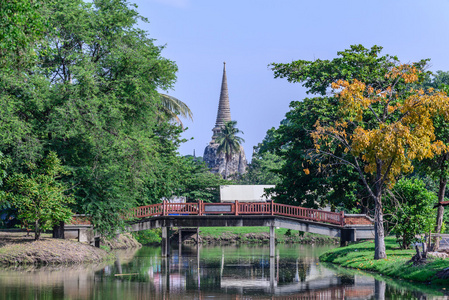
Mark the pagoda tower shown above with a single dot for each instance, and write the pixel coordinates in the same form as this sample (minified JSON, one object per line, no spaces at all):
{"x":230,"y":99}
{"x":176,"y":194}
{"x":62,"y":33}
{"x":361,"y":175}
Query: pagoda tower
{"x":215,"y":161}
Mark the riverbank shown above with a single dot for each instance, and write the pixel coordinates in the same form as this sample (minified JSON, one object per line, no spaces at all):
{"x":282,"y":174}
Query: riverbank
{"x":236,"y":235}
{"x":397,"y":264}
{"x":16,"y":248}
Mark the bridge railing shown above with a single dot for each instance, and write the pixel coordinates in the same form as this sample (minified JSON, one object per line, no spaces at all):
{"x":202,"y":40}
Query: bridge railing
{"x":308,"y":214}
{"x":254,"y":208}
{"x":180,"y":208}
{"x":237,"y":208}
{"x":147,"y":211}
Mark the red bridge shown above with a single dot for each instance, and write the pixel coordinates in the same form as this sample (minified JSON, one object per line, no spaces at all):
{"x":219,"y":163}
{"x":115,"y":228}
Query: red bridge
{"x":259,"y":208}
{"x":194,"y":215}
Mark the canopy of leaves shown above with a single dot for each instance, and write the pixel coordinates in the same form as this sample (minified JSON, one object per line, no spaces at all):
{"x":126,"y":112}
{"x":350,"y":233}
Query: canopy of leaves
{"x":358,"y":62}
{"x":93,"y":98}
{"x":386,"y":128}
{"x":262,"y":169}
{"x":22,"y":24}
{"x":409,"y":210}
{"x":304,"y":180}
{"x":199,"y":183}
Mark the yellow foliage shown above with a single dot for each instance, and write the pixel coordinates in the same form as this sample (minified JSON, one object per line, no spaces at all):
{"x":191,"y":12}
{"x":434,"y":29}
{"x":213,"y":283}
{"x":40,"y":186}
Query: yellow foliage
{"x":402,"y":129}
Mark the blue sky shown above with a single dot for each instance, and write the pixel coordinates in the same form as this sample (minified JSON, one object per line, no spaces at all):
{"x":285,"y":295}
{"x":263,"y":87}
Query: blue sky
{"x":249,"y":35}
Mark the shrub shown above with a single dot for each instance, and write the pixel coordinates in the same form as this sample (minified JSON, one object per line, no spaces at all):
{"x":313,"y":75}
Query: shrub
{"x":150,"y":236}
{"x":409,"y":210}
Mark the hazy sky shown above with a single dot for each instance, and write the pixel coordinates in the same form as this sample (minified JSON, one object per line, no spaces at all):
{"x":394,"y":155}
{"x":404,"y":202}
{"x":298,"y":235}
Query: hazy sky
{"x":249,"y":35}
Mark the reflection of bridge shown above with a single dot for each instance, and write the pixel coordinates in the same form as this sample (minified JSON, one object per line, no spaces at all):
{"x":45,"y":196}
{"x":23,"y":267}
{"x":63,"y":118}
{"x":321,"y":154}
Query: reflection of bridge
{"x":243,"y":279}
{"x":166,"y":215}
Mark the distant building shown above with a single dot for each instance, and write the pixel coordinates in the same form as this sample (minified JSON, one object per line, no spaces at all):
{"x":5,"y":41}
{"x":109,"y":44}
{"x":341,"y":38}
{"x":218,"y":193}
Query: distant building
{"x":244,"y":193}
{"x":216,"y":162}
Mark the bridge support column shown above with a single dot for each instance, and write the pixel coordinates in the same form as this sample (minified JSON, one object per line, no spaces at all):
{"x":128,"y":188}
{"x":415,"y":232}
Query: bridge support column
{"x":179,"y":242}
{"x":272,"y":273}
{"x":272,"y":241}
{"x":164,"y":241}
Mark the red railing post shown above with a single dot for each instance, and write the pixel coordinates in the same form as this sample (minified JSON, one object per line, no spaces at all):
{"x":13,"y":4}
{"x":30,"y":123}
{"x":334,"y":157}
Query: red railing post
{"x":342,"y":218}
{"x":200,"y":207}
{"x":163,"y":208}
{"x":236,"y":207}
{"x":272,"y":208}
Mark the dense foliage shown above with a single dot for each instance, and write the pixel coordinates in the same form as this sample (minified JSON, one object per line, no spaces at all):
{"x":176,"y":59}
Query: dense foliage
{"x":91,"y":96}
{"x":39,"y":196}
{"x":378,"y":122}
{"x":409,"y":207}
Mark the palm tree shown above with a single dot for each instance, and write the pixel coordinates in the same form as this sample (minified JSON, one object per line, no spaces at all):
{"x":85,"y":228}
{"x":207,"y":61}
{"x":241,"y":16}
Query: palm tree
{"x":228,"y":142}
{"x":172,"y":107}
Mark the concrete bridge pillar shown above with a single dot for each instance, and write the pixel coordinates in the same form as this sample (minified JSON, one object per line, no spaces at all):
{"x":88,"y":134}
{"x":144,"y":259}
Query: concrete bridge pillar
{"x":272,"y":241}
{"x":165,"y":244}
{"x":179,"y":243}
{"x":272,"y":273}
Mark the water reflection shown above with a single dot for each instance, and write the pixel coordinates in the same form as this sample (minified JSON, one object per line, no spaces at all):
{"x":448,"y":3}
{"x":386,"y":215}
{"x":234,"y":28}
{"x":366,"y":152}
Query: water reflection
{"x":229,"y":272}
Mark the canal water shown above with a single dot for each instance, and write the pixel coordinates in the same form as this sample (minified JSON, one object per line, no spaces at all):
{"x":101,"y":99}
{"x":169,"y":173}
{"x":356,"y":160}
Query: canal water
{"x":209,"y":272}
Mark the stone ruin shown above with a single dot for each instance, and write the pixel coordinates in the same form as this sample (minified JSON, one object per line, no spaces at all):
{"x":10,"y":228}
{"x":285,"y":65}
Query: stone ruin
{"x":216,"y":161}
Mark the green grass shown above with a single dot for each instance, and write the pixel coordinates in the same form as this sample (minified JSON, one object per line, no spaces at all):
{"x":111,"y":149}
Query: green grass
{"x":360,"y":256}
{"x":281,"y":234}
{"x":220,"y":231}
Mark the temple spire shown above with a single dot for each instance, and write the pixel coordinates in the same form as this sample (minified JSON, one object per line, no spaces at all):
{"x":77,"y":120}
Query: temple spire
{"x":224,"y":110}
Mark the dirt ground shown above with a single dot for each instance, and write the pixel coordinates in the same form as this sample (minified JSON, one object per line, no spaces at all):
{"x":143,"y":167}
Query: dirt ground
{"x":18,"y":248}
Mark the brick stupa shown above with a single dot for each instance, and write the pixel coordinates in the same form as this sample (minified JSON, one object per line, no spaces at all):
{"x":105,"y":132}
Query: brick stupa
{"x":216,"y":162}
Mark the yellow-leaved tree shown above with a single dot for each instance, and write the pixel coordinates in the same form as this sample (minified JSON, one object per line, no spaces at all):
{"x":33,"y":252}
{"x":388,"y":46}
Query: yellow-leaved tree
{"x":381,"y":131}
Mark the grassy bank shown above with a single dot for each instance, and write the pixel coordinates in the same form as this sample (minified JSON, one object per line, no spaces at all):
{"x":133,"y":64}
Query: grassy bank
{"x":260,"y":235}
{"x":360,"y":256}
{"x":236,"y":235}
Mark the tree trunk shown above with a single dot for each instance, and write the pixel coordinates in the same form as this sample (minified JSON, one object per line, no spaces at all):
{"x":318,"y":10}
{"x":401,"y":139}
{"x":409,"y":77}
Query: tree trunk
{"x":37,"y":230}
{"x":379,"y":289}
{"x":379,"y":232}
{"x":226,"y":169}
{"x":440,"y":212}
{"x":58,"y":231}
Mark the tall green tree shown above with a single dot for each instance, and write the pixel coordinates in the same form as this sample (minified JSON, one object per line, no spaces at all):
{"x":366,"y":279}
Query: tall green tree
{"x":362,"y":74}
{"x":385,"y":129}
{"x":39,"y":195}
{"x":229,"y":142}
{"x":438,"y":167}
{"x":93,"y":98}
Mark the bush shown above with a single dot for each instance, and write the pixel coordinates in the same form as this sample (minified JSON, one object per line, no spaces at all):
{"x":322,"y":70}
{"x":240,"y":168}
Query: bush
{"x":151,"y":236}
{"x":409,"y":210}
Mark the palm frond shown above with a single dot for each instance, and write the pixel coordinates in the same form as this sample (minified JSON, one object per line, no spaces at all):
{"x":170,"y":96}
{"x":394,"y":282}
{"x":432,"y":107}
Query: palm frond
{"x":175,"y":106}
